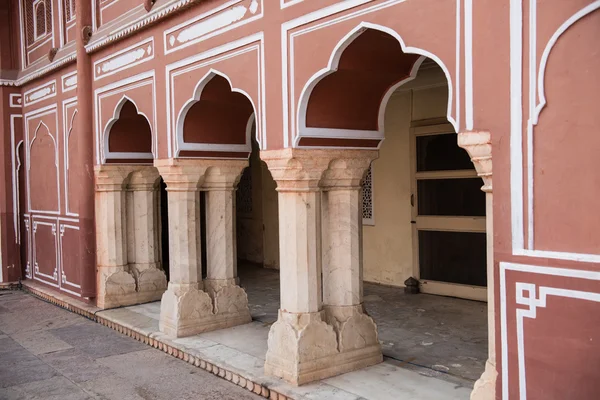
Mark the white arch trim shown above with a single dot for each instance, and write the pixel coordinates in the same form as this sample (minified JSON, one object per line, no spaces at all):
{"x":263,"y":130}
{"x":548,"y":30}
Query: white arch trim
{"x":546,"y":54}
{"x":304,"y":131}
{"x":181,"y":145}
{"x":105,"y":150}
{"x":33,"y":140}
{"x":16,"y":191}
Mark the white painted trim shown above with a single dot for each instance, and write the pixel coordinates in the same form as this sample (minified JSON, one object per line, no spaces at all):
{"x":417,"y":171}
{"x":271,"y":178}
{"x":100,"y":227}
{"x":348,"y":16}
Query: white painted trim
{"x":544,"y":291}
{"x":14,"y":99}
{"x":63,"y":277}
{"x":94,"y":16}
{"x":183,"y":146}
{"x":379,"y":134}
{"x":18,"y":186}
{"x":22,"y":35}
{"x":51,"y":109}
{"x":122,"y":60}
{"x":34,"y":8}
{"x":285,"y":4}
{"x":69,"y":81}
{"x":106,"y":153}
{"x":51,"y":85}
{"x":213,"y":56}
{"x":214,"y":29}
{"x":67,"y":129}
{"x":36,"y":272}
{"x":535,"y":105}
{"x":516,"y":152}
{"x":469,"y":108}
{"x":61,"y":23}
{"x":14,"y":172}
{"x":121,"y":86}
{"x":516,"y":118}
{"x":322,"y":13}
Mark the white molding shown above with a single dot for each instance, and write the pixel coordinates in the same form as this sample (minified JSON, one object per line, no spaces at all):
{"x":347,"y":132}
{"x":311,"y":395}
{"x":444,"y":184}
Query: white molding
{"x":285,"y":4}
{"x":69,"y":81}
{"x":42,"y":92}
{"x":36,"y":273}
{"x":106,"y":153}
{"x":16,"y":100}
{"x":39,"y":113}
{"x":197,"y":94}
{"x":532,"y":302}
{"x":288,"y":56}
{"x":125,"y":58}
{"x":67,"y":129}
{"x":536,"y":81}
{"x":215,"y":55}
{"x":39,"y":72}
{"x":22,"y":35}
{"x":14,"y":172}
{"x":127,"y":84}
{"x":303,"y":131}
{"x":63,"y":277}
{"x":469,"y":108}
{"x":214,"y":22}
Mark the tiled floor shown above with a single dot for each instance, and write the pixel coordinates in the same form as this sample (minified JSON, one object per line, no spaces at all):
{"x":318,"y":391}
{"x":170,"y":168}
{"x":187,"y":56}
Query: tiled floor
{"x":49,"y":353}
{"x":441,"y":333}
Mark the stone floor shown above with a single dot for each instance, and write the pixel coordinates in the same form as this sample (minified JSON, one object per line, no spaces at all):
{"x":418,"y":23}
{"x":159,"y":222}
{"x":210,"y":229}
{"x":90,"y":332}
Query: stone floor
{"x":50,"y":353}
{"x":447,"y":336}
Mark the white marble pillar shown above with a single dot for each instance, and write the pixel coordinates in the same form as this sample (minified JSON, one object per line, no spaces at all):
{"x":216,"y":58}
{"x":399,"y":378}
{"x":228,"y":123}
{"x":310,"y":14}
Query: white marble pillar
{"x":479,"y":146}
{"x":342,"y":259}
{"x":143,"y":224}
{"x":115,"y":284}
{"x":229,"y":299}
{"x":300,"y":342}
{"x":185,"y":309}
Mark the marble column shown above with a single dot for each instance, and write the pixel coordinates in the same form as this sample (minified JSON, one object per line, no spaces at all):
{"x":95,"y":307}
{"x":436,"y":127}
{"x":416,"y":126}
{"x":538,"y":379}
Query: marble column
{"x":229,"y":299}
{"x":343,"y":262}
{"x":144,"y":234}
{"x":185,"y":308}
{"x":115,"y":284}
{"x":479,"y":146}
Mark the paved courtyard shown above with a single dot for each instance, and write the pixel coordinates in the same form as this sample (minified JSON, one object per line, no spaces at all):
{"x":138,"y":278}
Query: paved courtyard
{"x":50,"y":353}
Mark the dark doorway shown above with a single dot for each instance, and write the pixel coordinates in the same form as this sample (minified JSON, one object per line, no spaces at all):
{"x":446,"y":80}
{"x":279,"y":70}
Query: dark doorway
{"x":164,"y":224}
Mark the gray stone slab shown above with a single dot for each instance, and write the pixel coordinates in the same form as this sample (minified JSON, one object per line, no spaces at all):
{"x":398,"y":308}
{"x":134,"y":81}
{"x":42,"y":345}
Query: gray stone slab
{"x":40,"y":342}
{"x":19,"y":370}
{"x":75,"y":365}
{"x":97,"y":341}
{"x":55,"y":388}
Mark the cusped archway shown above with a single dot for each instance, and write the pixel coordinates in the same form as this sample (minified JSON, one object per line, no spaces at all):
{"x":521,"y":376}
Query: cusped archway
{"x":217,"y":122}
{"x":128,"y":137}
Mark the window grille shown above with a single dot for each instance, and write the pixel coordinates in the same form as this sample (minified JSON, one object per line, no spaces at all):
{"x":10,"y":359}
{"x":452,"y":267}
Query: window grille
{"x":367,"y":197}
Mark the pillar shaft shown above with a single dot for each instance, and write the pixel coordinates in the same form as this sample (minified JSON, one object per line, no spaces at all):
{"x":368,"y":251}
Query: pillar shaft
{"x":306,"y":344}
{"x":186,"y":309}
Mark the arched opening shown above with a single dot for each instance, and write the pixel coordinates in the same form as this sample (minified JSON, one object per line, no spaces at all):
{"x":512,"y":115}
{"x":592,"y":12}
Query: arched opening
{"x":423,"y":210}
{"x":257,"y":228}
{"x":40,"y":20}
{"x":128,"y":137}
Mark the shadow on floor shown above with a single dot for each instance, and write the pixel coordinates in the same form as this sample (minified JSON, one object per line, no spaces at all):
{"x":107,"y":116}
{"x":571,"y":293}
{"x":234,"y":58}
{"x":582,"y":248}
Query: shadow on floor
{"x":447,"y":336}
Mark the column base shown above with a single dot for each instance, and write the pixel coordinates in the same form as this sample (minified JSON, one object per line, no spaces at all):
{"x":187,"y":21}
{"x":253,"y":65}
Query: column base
{"x":303,"y":348}
{"x":116,"y":288}
{"x":485,"y":387}
{"x":151,"y":281}
{"x":230,"y":301}
{"x":187,"y":311}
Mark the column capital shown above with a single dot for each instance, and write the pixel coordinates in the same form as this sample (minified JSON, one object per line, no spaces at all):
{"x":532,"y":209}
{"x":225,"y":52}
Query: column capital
{"x":347,"y":168}
{"x":305,"y":169}
{"x":144,"y":178}
{"x":182,"y":175}
{"x":112,"y":178}
{"x":479,"y":146}
{"x":224,"y":174}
